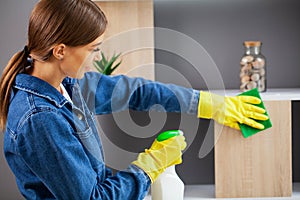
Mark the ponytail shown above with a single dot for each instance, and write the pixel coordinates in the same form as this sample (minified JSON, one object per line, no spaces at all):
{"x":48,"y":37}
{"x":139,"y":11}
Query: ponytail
{"x":16,"y":65}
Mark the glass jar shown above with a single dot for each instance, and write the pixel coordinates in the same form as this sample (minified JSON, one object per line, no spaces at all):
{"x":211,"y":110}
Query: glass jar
{"x":253,"y":68}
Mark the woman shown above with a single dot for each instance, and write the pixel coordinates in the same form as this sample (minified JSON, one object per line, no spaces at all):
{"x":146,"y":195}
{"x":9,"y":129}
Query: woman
{"x":51,"y":141}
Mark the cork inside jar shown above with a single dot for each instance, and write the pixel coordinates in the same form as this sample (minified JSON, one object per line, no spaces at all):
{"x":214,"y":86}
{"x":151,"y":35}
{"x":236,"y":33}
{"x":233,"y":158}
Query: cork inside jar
{"x":252,"y":43}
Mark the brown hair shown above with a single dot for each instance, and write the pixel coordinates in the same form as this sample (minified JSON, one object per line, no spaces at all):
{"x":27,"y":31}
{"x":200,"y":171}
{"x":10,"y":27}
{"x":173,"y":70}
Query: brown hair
{"x":71,"y":22}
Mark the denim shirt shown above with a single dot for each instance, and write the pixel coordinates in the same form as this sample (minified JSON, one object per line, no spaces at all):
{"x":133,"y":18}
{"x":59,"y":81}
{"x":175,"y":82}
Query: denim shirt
{"x":53,"y":147}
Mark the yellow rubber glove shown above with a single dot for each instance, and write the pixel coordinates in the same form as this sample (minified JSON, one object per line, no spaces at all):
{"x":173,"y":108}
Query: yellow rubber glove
{"x":161,"y":155}
{"x":231,"y":111}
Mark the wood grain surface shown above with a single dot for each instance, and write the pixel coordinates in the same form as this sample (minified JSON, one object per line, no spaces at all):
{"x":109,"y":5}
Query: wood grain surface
{"x":259,"y":166}
{"x":130,"y":32}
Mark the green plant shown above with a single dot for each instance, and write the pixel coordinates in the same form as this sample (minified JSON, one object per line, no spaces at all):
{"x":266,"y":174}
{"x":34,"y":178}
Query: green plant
{"x":107,"y":65}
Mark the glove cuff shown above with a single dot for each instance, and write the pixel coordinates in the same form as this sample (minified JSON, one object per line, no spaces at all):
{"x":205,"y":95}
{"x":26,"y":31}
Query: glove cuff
{"x":205,"y":106}
{"x":149,"y":166}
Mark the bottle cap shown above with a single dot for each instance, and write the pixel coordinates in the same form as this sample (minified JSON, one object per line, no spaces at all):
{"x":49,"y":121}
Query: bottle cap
{"x":168,"y":134}
{"x":252,"y":43}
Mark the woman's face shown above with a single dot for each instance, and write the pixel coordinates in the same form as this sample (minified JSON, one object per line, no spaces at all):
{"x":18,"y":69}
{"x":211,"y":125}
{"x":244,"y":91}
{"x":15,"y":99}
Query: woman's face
{"x":76,"y":59}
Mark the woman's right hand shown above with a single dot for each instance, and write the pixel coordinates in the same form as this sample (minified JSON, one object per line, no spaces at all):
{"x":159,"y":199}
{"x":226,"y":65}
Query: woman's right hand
{"x":161,"y":155}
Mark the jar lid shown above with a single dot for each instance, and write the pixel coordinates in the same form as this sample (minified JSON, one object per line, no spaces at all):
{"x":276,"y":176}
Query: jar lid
{"x":252,"y":43}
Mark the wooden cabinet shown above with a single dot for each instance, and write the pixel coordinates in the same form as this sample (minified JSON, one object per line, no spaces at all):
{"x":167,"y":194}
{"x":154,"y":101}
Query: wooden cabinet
{"x":261,"y":165}
{"x":130,"y":32}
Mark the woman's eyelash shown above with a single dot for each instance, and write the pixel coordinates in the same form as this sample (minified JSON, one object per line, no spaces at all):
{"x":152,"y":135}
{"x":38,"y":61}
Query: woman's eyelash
{"x":96,"y":49}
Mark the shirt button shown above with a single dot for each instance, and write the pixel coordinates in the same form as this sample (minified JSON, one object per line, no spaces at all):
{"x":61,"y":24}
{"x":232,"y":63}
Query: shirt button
{"x":79,"y":116}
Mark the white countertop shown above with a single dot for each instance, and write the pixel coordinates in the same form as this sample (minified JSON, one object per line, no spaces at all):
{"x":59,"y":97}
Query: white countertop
{"x":273,"y":94}
{"x":200,"y":192}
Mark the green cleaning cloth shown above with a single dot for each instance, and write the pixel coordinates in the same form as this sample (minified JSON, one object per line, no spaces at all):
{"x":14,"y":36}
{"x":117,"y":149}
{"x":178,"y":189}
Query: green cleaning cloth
{"x":248,"y":130}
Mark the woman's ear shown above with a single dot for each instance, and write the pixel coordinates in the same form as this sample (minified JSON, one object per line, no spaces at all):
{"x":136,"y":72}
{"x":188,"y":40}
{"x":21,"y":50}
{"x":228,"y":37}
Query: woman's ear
{"x":59,"y":51}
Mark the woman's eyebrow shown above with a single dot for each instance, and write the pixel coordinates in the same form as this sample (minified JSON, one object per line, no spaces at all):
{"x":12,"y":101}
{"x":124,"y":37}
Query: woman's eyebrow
{"x":99,"y":43}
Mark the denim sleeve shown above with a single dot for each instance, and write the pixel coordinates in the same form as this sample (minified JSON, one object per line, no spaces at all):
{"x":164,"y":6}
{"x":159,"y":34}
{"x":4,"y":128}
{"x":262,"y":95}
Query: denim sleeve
{"x":107,"y":94}
{"x":54,"y":154}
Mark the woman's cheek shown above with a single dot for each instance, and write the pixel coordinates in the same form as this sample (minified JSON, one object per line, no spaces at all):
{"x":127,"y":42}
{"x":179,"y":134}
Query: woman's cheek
{"x":82,"y":66}
{"x":80,"y":72}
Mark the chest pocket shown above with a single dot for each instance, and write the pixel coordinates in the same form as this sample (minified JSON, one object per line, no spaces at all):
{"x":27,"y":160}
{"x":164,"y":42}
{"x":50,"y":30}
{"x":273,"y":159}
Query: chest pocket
{"x":88,"y":138}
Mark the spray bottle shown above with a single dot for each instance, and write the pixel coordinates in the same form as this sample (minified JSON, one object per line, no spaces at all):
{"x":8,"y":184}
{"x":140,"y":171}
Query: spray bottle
{"x":168,"y":186}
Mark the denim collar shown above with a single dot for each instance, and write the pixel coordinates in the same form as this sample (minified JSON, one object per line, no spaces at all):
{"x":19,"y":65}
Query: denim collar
{"x":41,"y":88}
